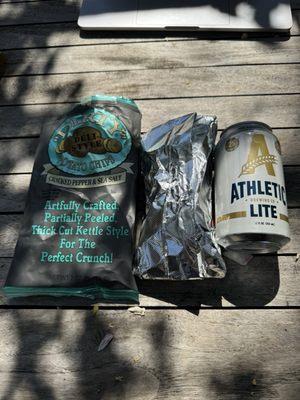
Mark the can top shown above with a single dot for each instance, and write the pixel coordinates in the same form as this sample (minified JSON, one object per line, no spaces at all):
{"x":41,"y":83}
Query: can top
{"x":245,"y":125}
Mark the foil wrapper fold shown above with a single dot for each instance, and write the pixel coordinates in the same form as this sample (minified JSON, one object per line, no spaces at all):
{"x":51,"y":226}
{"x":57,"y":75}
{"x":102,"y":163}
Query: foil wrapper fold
{"x":176,"y":239}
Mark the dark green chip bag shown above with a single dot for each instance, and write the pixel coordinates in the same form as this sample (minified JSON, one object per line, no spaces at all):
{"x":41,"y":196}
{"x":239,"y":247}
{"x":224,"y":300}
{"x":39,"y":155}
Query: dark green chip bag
{"x":78,"y":229}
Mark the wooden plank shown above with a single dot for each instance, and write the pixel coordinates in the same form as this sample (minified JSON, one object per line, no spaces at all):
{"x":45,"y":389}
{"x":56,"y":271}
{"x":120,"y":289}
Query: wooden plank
{"x":164,"y":355}
{"x":43,"y":35}
{"x":67,"y":34}
{"x":296,"y":23}
{"x":19,"y":158}
{"x":18,"y":1}
{"x":46,"y":11}
{"x":14,"y":189}
{"x":155,"y":83}
{"x":152,"y":55}
{"x":39,"y":12}
{"x":10,"y":225}
{"x":13,"y":192}
{"x":267,"y":281}
{"x":292,"y":177}
{"x":295,"y":4}
{"x":21,"y":1}
{"x":294,"y":244}
{"x":277,"y":111}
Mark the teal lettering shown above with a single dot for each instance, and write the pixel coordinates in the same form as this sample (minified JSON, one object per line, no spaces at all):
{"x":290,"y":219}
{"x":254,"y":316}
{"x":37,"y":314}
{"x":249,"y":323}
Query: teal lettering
{"x":63,"y":243}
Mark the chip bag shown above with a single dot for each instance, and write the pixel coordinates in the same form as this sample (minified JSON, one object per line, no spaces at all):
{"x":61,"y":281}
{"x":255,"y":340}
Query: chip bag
{"x":78,"y":229}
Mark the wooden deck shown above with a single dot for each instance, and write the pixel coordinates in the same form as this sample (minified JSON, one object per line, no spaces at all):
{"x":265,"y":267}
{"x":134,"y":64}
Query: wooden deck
{"x":234,"y":339}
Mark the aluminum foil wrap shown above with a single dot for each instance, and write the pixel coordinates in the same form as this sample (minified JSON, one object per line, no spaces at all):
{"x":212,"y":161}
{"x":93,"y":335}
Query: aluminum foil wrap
{"x":176,"y":236}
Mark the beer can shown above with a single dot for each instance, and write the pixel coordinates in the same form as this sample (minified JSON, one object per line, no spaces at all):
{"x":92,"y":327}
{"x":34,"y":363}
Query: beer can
{"x":250,"y":198}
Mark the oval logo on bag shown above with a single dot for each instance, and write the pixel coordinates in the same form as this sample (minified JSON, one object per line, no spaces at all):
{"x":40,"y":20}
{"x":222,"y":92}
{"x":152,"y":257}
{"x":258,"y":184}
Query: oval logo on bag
{"x":90,"y":143}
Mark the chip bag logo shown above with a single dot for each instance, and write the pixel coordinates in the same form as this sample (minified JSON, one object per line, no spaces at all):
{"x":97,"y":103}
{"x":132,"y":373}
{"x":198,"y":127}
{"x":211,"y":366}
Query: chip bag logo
{"x":259,"y":155}
{"x":89,"y":144}
{"x":88,"y":140}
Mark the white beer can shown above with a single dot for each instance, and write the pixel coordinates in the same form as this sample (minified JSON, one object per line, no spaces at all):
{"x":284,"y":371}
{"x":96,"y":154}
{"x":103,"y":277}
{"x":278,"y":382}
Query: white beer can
{"x":250,"y":198}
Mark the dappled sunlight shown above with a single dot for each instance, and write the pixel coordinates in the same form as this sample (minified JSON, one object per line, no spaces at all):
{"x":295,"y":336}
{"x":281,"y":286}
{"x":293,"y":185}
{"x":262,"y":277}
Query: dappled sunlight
{"x":165,"y":354}
{"x":16,"y":157}
{"x":13,"y":198}
{"x":179,"y":349}
{"x":9,"y":231}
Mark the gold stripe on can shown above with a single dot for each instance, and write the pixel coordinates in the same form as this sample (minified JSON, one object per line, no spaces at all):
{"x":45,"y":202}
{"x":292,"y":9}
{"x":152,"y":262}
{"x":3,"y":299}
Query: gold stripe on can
{"x":236,"y":214}
{"x":284,"y":217}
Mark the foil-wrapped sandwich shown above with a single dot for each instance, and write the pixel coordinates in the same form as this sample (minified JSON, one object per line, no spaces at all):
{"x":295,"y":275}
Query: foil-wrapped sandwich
{"x":176,"y":238}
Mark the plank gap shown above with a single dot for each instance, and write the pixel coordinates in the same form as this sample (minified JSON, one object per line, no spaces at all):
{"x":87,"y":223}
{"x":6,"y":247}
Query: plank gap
{"x":145,"y":99}
{"x":149,"y":69}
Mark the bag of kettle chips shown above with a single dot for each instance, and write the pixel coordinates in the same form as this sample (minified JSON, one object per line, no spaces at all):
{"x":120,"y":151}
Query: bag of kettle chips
{"x":177,"y":237}
{"x":78,"y":230}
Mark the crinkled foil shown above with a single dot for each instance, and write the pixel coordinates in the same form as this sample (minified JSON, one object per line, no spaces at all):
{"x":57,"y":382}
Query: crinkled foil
{"x":176,"y":238}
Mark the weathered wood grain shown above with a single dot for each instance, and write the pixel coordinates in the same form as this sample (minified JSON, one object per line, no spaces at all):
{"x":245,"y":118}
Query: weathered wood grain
{"x":296,"y":23}
{"x":19,"y":158}
{"x":39,"y":12}
{"x":294,"y":3}
{"x":292,"y":176}
{"x":275,"y":110}
{"x":153,"y":83}
{"x":67,"y":34}
{"x":164,"y":355}
{"x":267,"y":281}
{"x":128,"y":56}
{"x":13,"y":192}
{"x":14,"y":189}
{"x":168,"y":354}
{"x":10,"y":225}
{"x":45,"y":11}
